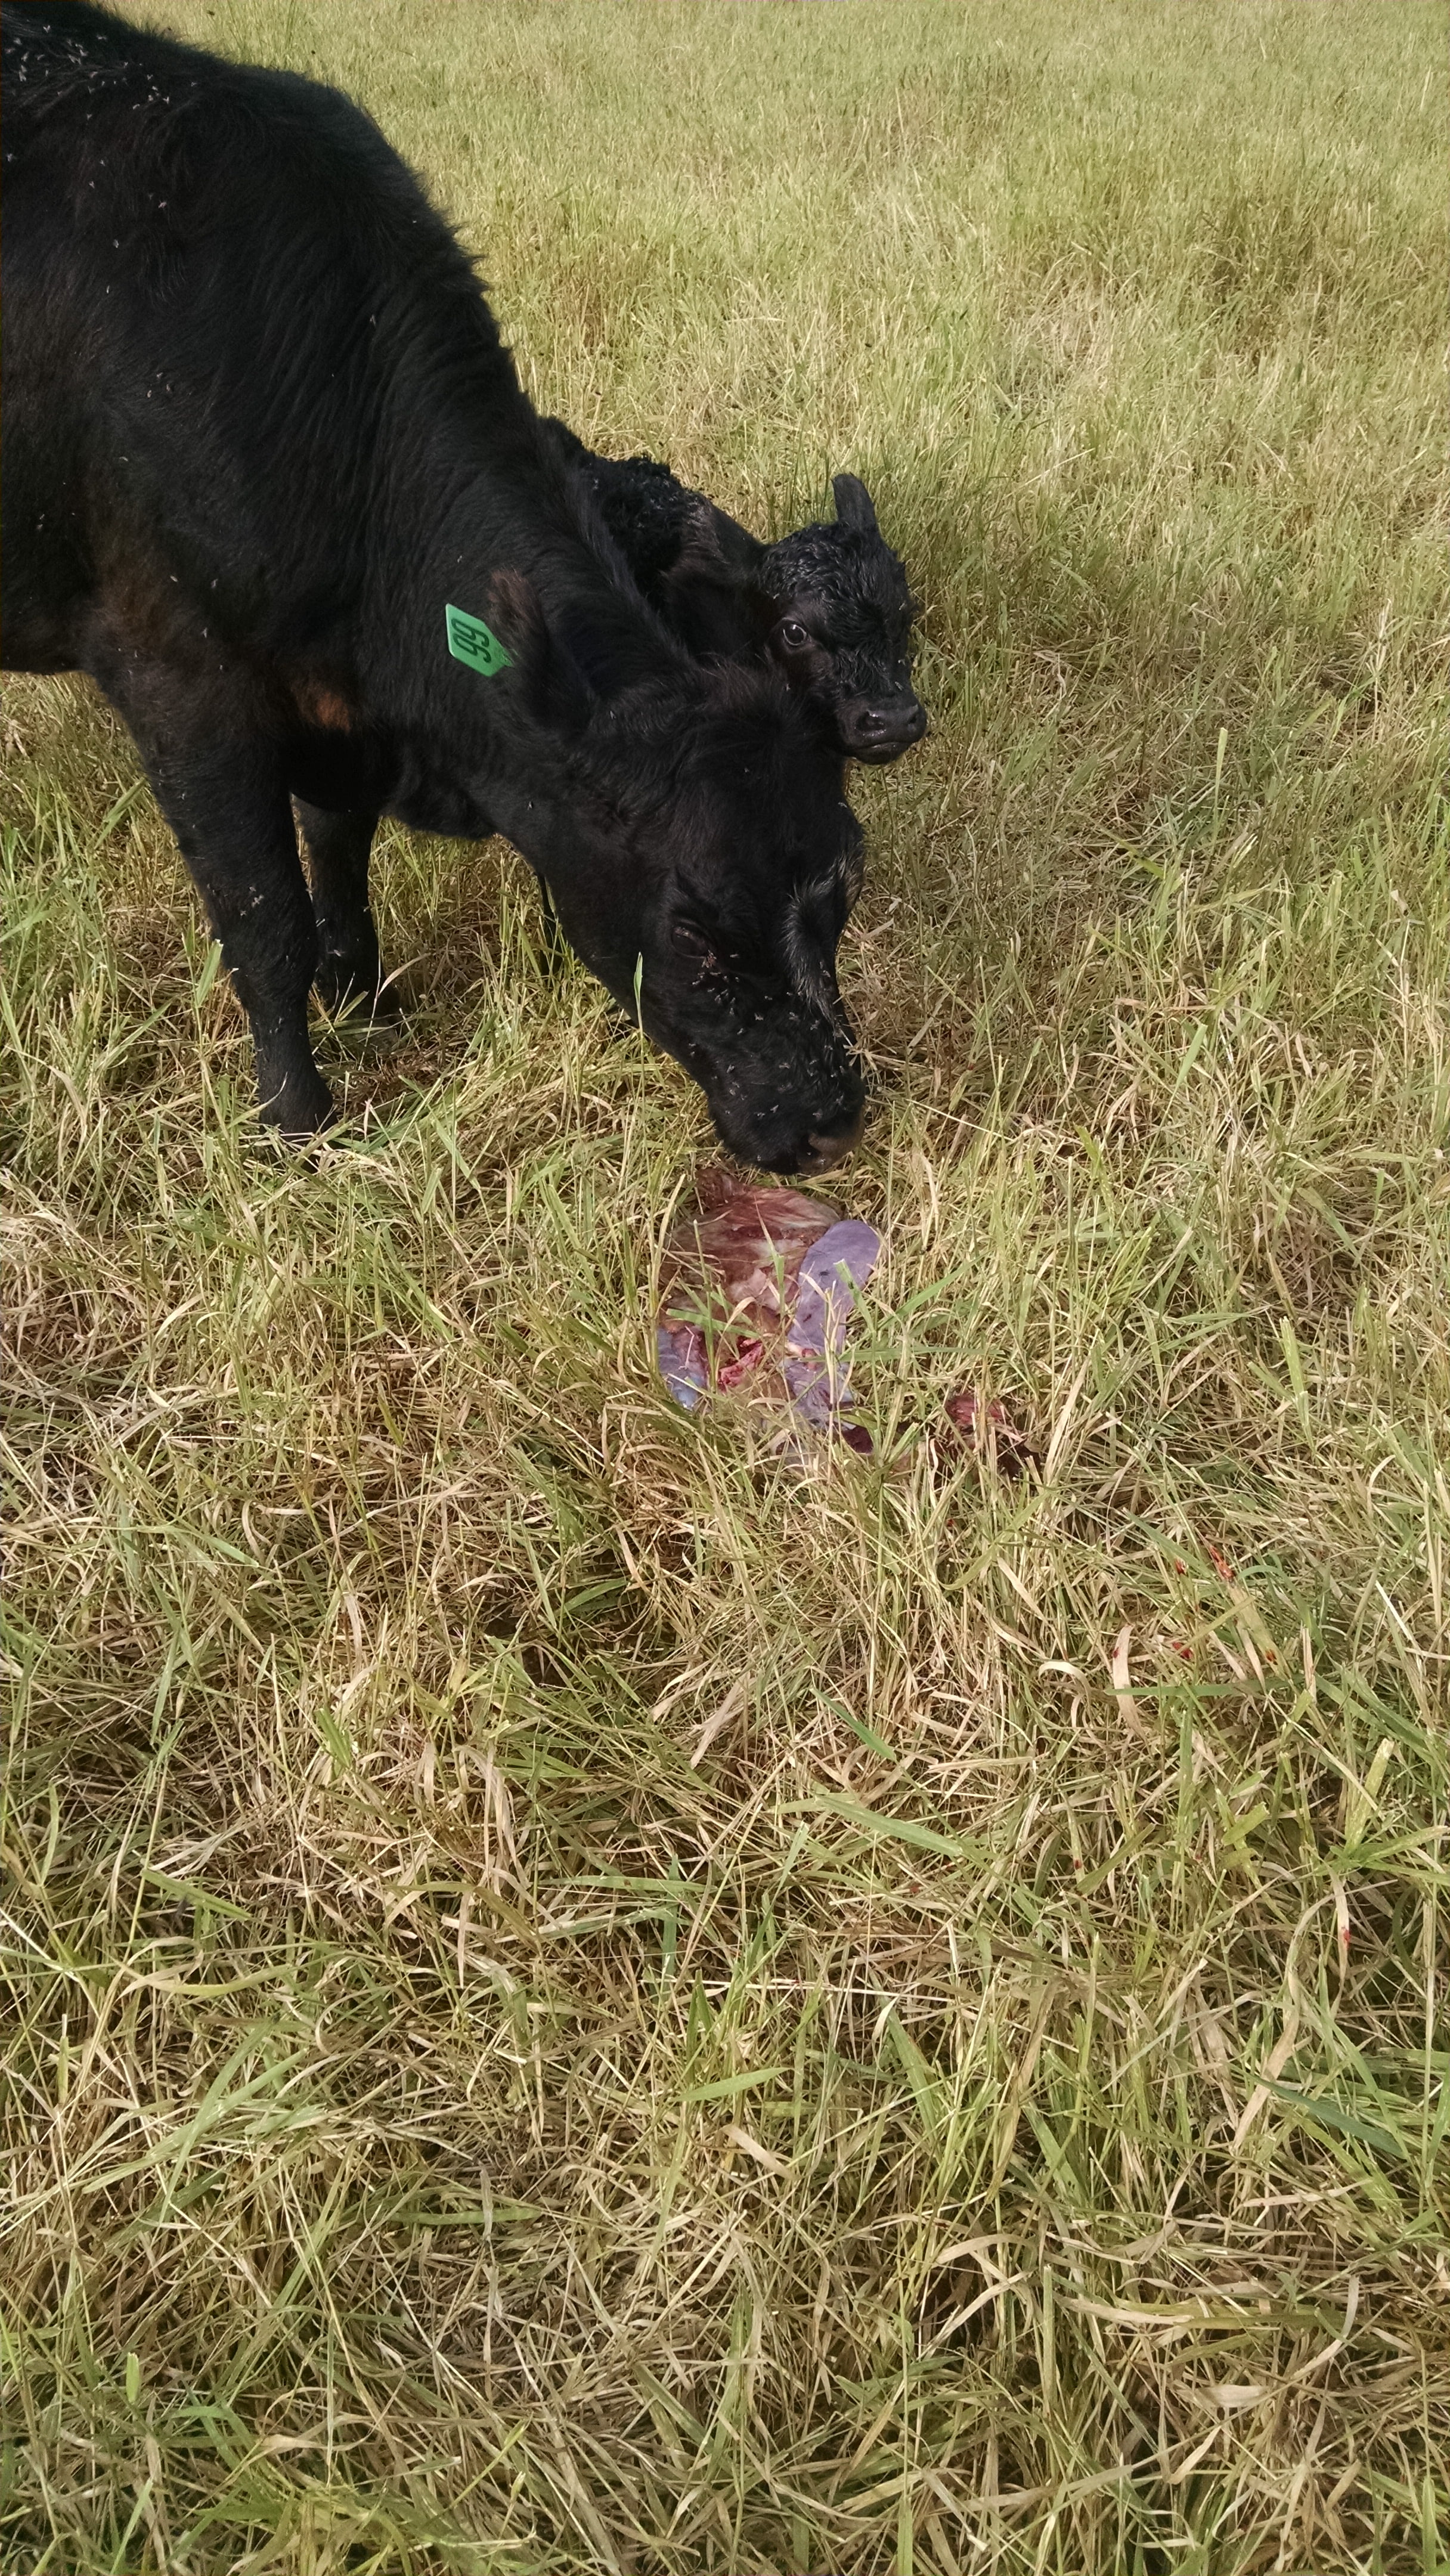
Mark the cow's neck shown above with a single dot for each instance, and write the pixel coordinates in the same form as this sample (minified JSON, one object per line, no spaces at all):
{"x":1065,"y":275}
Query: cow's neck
{"x":478,"y":503}
{"x":460,"y":758}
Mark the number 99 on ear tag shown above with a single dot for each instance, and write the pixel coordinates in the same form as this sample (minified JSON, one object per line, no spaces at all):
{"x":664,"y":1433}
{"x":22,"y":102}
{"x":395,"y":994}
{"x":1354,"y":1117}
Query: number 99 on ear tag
{"x":470,"y":641}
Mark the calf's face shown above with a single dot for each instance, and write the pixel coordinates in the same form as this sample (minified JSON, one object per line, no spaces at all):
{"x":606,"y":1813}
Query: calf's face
{"x":831,"y":609}
{"x":841,"y":631}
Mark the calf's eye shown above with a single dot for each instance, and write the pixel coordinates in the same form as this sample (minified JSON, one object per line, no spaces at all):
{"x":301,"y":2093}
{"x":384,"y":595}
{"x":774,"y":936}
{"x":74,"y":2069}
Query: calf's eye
{"x":793,"y":635}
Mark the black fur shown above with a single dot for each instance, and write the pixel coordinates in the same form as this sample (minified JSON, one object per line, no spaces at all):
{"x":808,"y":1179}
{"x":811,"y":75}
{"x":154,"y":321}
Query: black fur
{"x":830,"y":605}
{"x":259,"y":429}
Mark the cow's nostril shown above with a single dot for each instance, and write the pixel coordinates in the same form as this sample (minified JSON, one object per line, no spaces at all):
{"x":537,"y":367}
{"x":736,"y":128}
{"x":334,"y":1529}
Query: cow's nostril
{"x":826,"y":1150}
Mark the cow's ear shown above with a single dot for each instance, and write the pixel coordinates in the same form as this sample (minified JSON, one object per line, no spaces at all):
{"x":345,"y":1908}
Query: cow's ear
{"x":854,"y":505}
{"x":550,"y":682}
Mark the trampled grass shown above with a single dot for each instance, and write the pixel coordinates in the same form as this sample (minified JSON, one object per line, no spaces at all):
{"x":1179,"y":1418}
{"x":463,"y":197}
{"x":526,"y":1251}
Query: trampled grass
{"x":575,"y":1998}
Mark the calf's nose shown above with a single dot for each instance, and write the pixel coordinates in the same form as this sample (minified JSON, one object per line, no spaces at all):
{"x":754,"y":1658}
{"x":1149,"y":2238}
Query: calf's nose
{"x":874,"y":727}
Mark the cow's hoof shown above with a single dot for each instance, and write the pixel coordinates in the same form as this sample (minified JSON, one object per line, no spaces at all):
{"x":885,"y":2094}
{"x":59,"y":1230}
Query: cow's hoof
{"x":299,"y":1109}
{"x":354,"y":995}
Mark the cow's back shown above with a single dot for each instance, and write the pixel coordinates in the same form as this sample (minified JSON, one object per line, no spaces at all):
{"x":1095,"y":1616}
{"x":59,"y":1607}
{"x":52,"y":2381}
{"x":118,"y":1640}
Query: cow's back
{"x":230,"y":312}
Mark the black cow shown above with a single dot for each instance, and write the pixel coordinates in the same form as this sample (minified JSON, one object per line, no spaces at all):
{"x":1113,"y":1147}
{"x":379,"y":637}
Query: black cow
{"x":261,"y":439}
{"x":830,"y":604}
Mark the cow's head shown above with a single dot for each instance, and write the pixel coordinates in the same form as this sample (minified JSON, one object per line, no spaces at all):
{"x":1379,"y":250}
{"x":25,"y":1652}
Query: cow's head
{"x":693,"y":831}
{"x":831,"y":607}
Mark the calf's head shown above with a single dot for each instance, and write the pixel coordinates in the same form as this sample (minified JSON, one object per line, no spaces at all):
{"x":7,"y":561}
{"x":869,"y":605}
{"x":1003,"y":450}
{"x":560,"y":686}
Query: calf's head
{"x":832,"y":609}
{"x":842,"y":631}
{"x":695,"y":837}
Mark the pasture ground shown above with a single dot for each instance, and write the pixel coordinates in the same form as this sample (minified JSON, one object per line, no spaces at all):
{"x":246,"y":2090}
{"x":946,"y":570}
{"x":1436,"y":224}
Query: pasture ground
{"x":576,"y":1999}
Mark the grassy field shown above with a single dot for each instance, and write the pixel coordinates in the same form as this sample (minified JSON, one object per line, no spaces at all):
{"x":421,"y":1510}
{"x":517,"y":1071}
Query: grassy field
{"x":574,"y":1998}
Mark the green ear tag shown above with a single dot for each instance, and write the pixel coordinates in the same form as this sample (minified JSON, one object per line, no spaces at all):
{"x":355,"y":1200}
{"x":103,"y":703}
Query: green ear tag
{"x":470,"y":641}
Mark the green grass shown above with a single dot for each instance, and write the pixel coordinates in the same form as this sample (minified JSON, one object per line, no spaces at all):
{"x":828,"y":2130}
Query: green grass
{"x":574,"y":1998}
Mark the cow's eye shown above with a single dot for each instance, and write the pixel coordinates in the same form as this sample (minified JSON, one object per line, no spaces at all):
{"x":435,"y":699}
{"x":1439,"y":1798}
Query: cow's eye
{"x":693,"y":940}
{"x":793,"y":635}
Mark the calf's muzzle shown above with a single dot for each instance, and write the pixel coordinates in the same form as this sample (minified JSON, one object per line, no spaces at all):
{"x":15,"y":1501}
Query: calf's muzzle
{"x":878,"y":729}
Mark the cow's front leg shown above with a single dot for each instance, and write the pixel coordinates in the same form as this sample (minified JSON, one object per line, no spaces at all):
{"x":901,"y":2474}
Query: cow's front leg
{"x":349,"y":971}
{"x":245,"y":863}
{"x":228,"y":806}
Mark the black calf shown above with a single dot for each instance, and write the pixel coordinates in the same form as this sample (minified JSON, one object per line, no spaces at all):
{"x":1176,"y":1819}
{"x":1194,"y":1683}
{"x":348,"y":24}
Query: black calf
{"x":830,"y":605}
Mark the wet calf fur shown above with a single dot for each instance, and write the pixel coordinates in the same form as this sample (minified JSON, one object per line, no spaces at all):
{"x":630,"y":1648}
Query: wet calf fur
{"x":830,"y":604}
{"x":259,"y":431}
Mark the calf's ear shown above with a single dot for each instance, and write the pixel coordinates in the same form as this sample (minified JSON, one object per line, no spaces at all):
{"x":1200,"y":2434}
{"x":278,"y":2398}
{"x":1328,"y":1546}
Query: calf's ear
{"x":715,"y":605}
{"x":854,"y":505}
{"x":552,"y":686}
